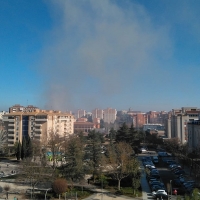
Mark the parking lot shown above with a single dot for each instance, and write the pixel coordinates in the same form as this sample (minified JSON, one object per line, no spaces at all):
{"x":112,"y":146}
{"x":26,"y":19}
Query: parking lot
{"x":166,"y":175}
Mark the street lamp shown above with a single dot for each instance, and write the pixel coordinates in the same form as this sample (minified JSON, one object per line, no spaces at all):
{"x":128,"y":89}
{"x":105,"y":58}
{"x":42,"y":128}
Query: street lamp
{"x":65,"y":195}
{"x":46,"y":193}
{"x":171,"y":186}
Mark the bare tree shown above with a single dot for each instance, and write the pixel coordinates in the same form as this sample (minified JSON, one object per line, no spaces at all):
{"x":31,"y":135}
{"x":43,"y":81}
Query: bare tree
{"x":35,"y":173}
{"x":54,"y":142}
{"x":3,"y":139}
{"x":6,"y":188}
{"x":120,"y":161}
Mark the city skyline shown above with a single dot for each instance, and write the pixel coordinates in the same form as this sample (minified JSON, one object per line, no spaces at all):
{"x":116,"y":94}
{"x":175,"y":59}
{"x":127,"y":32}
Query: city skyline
{"x":67,"y":55}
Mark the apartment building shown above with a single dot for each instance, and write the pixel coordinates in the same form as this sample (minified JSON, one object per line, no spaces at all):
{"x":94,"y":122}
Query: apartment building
{"x":1,"y":117}
{"x":109,"y":115}
{"x":156,"y":117}
{"x":80,"y":113}
{"x":37,"y":124}
{"x":194,"y":135}
{"x":97,"y":113}
{"x":177,"y":124}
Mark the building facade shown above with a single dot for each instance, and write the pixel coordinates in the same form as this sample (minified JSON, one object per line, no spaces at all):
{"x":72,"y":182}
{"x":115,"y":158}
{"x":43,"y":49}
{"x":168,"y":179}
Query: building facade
{"x":37,"y":124}
{"x":177,"y":124}
{"x":194,"y":135}
{"x":109,"y":115}
{"x":97,"y":113}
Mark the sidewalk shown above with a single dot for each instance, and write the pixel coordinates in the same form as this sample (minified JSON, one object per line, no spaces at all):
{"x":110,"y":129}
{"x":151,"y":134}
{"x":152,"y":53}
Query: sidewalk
{"x":101,"y":194}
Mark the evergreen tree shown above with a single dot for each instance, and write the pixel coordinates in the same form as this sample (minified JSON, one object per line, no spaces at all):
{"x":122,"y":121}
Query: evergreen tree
{"x":74,"y":167}
{"x":23,"y":148}
{"x":18,"y":152}
{"x":29,"y":147}
{"x":123,"y":133}
{"x":112,"y":135}
{"x":95,"y":151}
{"x":132,"y":135}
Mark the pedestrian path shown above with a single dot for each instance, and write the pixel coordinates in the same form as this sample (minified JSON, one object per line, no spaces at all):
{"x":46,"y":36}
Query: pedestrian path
{"x":146,"y":192}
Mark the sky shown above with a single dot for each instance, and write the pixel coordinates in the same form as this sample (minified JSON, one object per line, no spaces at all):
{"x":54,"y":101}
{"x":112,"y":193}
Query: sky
{"x":87,"y":54}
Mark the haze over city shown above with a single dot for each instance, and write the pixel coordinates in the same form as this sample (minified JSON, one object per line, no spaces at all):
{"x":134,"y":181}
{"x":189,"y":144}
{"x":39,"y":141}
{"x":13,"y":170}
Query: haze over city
{"x":62,"y":54}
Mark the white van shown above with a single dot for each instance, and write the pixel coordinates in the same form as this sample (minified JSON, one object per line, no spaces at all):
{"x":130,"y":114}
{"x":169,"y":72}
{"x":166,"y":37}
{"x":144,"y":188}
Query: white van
{"x":155,"y":159}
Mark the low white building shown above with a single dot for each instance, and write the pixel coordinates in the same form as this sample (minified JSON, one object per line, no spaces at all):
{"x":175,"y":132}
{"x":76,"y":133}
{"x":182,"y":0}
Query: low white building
{"x":158,"y":127}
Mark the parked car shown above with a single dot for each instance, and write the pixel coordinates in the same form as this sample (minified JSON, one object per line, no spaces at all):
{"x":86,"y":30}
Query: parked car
{"x":159,"y":193}
{"x":179,"y":172}
{"x":157,"y":187}
{"x":177,"y":182}
{"x":169,"y":162}
{"x":176,"y":168}
{"x":150,"y":166}
{"x":188,"y":184}
{"x":157,"y":176}
{"x":162,"y":154}
{"x":151,"y":183}
{"x":155,"y":159}
{"x":154,"y":174}
{"x":143,"y":150}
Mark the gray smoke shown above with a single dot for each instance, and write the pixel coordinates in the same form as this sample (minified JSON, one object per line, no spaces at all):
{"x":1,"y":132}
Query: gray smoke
{"x":98,"y":51}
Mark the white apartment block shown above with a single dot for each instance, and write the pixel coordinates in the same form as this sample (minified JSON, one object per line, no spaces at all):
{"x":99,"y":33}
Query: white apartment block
{"x":179,"y":120}
{"x":109,"y":115}
{"x":2,"y":113}
{"x":97,"y":113}
{"x":194,"y":135}
{"x":80,"y":113}
{"x":37,"y":124}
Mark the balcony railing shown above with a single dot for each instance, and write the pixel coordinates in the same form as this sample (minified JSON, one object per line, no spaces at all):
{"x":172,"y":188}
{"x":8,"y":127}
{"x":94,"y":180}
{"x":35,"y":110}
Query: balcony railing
{"x":8,"y":120}
{"x":38,"y":129}
{"x":41,"y":120}
{"x":12,"y":124}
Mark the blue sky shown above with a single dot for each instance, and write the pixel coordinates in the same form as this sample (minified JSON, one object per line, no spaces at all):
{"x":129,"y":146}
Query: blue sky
{"x":84,"y":54}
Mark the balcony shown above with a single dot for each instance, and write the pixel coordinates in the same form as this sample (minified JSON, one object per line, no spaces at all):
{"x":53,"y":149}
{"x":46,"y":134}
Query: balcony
{"x":38,"y":129}
{"x":10,"y":145}
{"x":10,"y":134}
{"x":10,"y":140}
{"x":12,"y":124}
{"x":41,"y":120}
{"x":8,"y":120}
{"x":11,"y":129}
{"x":37,"y":136}
{"x":62,"y":119}
{"x":38,"y":125}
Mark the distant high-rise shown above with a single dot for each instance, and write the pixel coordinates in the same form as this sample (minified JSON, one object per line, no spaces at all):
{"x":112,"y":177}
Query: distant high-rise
{"x":80,"y":113}
{"x":109,"y":115}
{"x":97,"y":113}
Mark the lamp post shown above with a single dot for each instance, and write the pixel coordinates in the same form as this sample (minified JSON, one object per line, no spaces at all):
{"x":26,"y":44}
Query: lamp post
{"x":171,"y":187}
{"x":65,"y":195}
{"x":46,"y":193}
